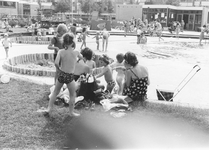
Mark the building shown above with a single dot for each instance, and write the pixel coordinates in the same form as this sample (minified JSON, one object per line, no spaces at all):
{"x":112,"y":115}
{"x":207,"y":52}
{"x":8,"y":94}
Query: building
{"x":22,"y":8}
{"x":194,"y":17}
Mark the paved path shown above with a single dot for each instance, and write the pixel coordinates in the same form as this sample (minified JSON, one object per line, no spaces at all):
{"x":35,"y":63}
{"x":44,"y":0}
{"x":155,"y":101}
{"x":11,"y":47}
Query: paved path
{"x":163,"y":72}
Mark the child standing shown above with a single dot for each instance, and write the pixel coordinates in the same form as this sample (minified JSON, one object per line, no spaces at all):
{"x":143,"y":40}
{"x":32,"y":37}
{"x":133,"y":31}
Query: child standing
{"x":97,"y":36}
{"x":65,"y":64}
{"x":5,"y":42}
{"x":83,"y":35}
{"x":105,"y":37}
{"x":107,"y":73}
{"x":202,"y":34}
{"x":120,"y":68}
{"x":56,"y":43}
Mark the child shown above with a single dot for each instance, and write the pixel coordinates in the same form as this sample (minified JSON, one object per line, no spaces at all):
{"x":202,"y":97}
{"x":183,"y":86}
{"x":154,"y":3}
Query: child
{"x":138,"y":34}
{"x":83,"y":35}
{"x":97,"y":36}
{"x":107,"y":73}
{"x":105,"y":37}
{"x":178,"y":29}
{"x":56,"y":43}
{"x":5,"y":42}
{"x":87,"y":54}
{"x":203,"y":30}
{"x":119,"y":67}
{"x":65,"y":64}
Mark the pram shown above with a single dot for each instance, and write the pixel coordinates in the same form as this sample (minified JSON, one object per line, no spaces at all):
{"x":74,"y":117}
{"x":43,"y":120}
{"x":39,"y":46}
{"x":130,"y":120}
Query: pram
{"x":168,"y":95}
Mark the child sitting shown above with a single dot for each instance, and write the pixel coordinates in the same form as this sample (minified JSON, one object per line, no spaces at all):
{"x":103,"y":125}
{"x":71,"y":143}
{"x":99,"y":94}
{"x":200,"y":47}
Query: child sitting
{"x":87,"y":54}
{"x":107,"y":73}
{"x":119,"y":67}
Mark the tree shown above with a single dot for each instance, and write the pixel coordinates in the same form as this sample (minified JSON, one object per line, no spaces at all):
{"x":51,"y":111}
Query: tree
{"x":63,"y":6}
{"x":173,"y":2}
{"x":131,"y":2}
{"x":110,"y":7}
{"x":86,"y":6}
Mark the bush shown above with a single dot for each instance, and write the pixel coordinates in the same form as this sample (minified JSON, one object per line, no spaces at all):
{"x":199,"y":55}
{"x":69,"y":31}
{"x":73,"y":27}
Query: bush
{"x":12,"y":23}
{"x":21,"y":23}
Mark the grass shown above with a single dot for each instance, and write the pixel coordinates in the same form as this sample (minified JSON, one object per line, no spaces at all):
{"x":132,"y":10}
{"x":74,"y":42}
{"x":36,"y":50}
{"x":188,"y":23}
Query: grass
{"x":22,"y":127}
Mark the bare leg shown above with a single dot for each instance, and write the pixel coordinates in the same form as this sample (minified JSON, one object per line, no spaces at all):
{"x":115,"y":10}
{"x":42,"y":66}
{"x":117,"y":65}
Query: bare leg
{"x":103,"y":42}
{"x":106,"y":44}
{"x":82,"y":44}
{"x":56,"y":91}
{"x":72,"y":88}
{"x":6,"y":50}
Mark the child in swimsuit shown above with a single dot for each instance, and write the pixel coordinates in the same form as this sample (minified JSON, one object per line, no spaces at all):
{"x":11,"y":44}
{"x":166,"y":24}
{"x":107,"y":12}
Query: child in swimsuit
{"x":56,"y":43}
{"x":107,"y":73}
{"x":119,"y":67}
{"x":6,"y":42}
{"x":65,"y":64}
{"x":105,"y":36}
{"x":83,"y":35}
{"x":97,"y":36}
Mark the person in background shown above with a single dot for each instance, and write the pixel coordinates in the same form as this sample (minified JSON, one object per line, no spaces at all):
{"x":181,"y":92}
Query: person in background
{"x":97,"y":36}
{"x":182,"y":25}
{"x":105,"y":37}
{"x":84,"y":34}
{"x":56,"y":43}
{"x":178,"y":29}
{"x":202,"y":34}
{"x":6,"y":42}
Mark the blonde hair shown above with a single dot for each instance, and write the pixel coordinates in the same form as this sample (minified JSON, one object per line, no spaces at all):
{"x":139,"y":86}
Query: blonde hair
{"x":62,"y":27}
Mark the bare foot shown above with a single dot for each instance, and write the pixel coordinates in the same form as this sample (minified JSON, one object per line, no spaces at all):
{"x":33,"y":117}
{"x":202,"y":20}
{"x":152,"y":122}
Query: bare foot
{"x":43,"y":110}
{"x":74,"y":114}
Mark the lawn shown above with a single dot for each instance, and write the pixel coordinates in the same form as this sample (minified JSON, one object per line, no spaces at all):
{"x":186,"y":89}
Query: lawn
{"x":147,"y":126}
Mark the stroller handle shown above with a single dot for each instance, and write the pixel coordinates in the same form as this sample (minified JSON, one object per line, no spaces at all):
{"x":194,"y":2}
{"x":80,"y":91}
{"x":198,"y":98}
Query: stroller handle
{"x":198,"y":68}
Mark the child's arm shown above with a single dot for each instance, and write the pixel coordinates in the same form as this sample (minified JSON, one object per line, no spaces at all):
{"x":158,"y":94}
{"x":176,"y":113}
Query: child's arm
{"x":10,"y":43}
{"x":51,"y":47}
{"x":102,"y":73}
{"x":57,"y":60}
{"x":94,"y":64}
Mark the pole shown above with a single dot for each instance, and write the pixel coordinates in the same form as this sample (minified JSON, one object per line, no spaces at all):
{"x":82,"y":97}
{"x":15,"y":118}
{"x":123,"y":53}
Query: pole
{"x":72,"y":11}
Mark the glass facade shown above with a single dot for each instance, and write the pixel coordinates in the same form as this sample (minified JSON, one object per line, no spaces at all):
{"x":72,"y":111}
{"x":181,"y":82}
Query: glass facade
{"x":8,"y":4}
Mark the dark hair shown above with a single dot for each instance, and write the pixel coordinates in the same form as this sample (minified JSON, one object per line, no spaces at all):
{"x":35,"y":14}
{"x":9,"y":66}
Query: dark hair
{"x":68,"y":40}
{"x":105,"y":59}
{"x":204,"y":26}
{"x":87,"y":53}
{"x":120,"y":57}
{"x":131,"y":59}
{"x":74,"y":24}
{"x":84,"y":29}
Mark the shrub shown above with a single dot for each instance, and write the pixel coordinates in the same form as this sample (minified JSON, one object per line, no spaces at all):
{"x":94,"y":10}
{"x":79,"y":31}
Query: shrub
{"x":21,"y":23}
{"x":12,"y":23}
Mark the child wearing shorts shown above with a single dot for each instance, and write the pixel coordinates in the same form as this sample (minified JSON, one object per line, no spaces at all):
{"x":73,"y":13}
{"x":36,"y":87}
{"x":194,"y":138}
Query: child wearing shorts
{"x":6,"y":42}
{"x":65,"y":64}
{"x":56,"y":43}
{"x":107,"y":73}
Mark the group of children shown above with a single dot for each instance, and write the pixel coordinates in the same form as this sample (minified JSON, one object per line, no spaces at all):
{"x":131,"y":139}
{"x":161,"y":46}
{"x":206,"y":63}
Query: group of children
{"x":104,"y":35}
{"x":66,"y":57}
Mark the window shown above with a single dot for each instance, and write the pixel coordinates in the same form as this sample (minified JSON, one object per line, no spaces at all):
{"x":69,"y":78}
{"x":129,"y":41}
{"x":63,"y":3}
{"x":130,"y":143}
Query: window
{"x":198,"y":19}
{"x":8,"y":4}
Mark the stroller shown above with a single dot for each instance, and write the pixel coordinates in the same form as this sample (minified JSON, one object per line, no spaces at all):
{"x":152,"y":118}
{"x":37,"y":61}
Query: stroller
{"x":167,"y":95}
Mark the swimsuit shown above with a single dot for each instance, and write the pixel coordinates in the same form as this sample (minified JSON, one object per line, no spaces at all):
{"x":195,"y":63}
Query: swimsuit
{"x":137,"y":88}
{"x":111,"y":83}
{"x":65,"y":77}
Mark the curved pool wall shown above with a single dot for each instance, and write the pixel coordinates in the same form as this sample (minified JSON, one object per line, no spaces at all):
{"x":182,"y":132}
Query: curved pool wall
{"x":11,"y":64}
{"x":32,"y":39}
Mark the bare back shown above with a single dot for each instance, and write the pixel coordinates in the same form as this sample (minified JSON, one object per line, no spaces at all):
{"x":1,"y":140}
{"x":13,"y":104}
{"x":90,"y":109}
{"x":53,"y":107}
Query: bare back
{"x":67,"y":59}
